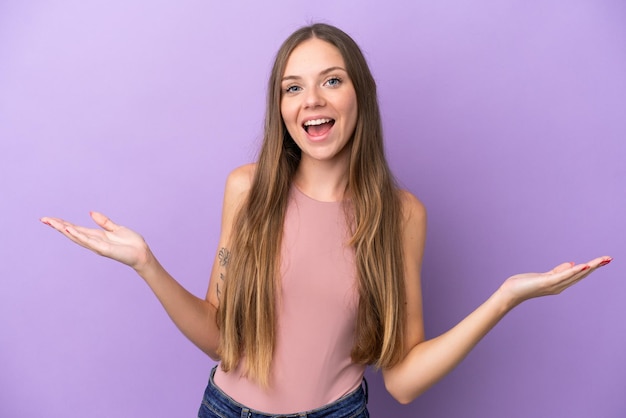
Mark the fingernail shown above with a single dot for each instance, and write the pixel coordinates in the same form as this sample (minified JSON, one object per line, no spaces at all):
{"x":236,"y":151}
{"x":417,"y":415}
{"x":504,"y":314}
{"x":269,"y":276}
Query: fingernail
{"x":605,"y":262}
{"x":586,"y":268}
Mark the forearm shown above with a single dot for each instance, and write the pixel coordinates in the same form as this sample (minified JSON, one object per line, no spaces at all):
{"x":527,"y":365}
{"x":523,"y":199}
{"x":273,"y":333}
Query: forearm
{"x":429,"y":361}
{"x":194,"y":317}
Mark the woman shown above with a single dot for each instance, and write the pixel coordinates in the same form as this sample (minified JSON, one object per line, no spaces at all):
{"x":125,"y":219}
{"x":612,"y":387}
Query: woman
{"x":318,"y":271}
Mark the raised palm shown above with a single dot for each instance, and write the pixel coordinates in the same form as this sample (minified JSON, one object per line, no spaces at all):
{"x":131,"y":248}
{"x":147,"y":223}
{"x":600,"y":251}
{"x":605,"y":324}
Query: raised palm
{"x":531,"y":285}
{"x":112,"y":240}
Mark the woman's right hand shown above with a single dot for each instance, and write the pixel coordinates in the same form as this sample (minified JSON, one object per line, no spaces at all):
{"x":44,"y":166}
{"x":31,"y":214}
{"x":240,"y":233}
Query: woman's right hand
{"x":195,"y":317}
{"x":112,"y":241}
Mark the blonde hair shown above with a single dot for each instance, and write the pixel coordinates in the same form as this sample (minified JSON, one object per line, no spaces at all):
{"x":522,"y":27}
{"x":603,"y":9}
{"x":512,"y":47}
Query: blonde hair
{"x":247,"y":314}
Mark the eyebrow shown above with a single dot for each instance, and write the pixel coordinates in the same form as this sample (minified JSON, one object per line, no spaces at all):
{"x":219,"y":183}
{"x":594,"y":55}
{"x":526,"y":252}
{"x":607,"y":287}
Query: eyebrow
{"x":324,"y":72}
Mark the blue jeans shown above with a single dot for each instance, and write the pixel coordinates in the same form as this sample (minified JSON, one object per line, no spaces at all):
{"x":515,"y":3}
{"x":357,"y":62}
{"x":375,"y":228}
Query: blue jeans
{"x":217,"y":404}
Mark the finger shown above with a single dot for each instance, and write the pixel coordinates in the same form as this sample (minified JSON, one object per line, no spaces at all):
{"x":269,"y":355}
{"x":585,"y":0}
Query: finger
{"x":103,"y":221}
{"x":64,"y":228}
{"x":87,"y":231}
{"x":605,"y":262}
{"x":45,"y":220}
{"x":56,"y":223}
{"x":600,"y":261}
{"x":581,"y":271}
{"x":49,"y":220}
{"x":88,"y":241}
{"x":582,"y":274}
{"x":562,"y":267}
{"x":597,"y":262}
{"x":570,"y":274}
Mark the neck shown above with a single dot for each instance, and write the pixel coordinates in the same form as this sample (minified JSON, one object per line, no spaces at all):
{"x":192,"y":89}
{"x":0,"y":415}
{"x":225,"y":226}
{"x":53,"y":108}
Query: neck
{"x":323,"y":180}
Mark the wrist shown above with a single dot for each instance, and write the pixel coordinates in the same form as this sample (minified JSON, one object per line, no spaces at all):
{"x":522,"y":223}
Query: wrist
{"x":146,"y":262}
{"x":505,"y":298}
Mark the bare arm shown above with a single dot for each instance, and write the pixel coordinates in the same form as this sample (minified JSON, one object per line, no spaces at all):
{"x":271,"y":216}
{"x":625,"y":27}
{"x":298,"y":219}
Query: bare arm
{"x":195,"y":317}
{"x":237,"y":187}
{"x":426,"y":362}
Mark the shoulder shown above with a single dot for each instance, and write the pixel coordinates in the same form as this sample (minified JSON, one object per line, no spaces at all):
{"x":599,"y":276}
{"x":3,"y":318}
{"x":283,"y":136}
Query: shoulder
{"x":239,"y":182}
{"x":238,"y":185}
{"x":240,"y":179}
{"x":413,"y":210}
{"x":413,"y":225}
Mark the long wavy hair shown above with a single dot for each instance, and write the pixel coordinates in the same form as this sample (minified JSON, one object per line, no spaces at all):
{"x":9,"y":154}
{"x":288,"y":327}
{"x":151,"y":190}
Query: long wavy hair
{"x":247,"y":311}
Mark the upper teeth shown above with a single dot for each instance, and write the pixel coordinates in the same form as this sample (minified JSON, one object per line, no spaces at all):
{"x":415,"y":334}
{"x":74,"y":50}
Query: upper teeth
{"x":316,"y":122}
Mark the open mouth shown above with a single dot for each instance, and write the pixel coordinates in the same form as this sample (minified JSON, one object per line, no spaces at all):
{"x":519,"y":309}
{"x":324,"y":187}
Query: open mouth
{"x":318,"y":127}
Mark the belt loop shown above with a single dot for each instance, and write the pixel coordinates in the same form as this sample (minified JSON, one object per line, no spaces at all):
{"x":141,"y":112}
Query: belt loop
{"x":245,"y":413}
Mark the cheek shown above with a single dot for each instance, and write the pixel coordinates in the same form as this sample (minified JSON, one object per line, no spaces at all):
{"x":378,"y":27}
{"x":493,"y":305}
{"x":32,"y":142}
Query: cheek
{"x":350,"y":108}
{"x":287,"y":113}
{"x":289,"y":119}
{"x":354,"y":115}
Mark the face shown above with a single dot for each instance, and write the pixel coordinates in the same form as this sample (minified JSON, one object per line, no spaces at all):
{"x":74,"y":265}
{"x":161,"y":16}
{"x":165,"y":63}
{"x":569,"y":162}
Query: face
{"x":318,"y":102}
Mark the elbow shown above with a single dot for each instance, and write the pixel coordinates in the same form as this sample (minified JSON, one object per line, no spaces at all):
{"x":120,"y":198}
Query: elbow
{"x":400,"y":393}
{"x":402,"y":400}
{"x":210,"y":347}
{"x":400,"y":396}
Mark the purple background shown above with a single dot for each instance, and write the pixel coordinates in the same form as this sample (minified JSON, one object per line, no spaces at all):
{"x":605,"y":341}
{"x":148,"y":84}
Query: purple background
{"x":507,"y":118}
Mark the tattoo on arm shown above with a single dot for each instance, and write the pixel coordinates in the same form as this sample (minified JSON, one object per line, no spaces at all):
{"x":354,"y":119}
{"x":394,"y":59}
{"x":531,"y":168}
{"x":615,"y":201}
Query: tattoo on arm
{"x":223,"y":257}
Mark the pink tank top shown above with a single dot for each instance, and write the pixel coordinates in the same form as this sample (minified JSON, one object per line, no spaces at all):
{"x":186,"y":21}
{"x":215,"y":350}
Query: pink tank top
{"x":316,"y":316}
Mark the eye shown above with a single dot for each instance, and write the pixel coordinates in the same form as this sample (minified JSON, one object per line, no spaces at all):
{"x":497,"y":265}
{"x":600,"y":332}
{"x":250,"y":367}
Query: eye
{"x":292,"y":89}
{"x":333,"y":82}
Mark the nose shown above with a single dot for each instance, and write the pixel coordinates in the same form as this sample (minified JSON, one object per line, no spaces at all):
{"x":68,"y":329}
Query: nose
{"x":313,"y":98}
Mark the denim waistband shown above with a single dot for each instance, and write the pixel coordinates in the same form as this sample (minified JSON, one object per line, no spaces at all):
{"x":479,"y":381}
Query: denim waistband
{"x":216,"y":402}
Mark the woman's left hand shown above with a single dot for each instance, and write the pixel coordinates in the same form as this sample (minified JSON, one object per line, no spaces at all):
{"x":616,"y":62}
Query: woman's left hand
{"x":526,"y":286}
